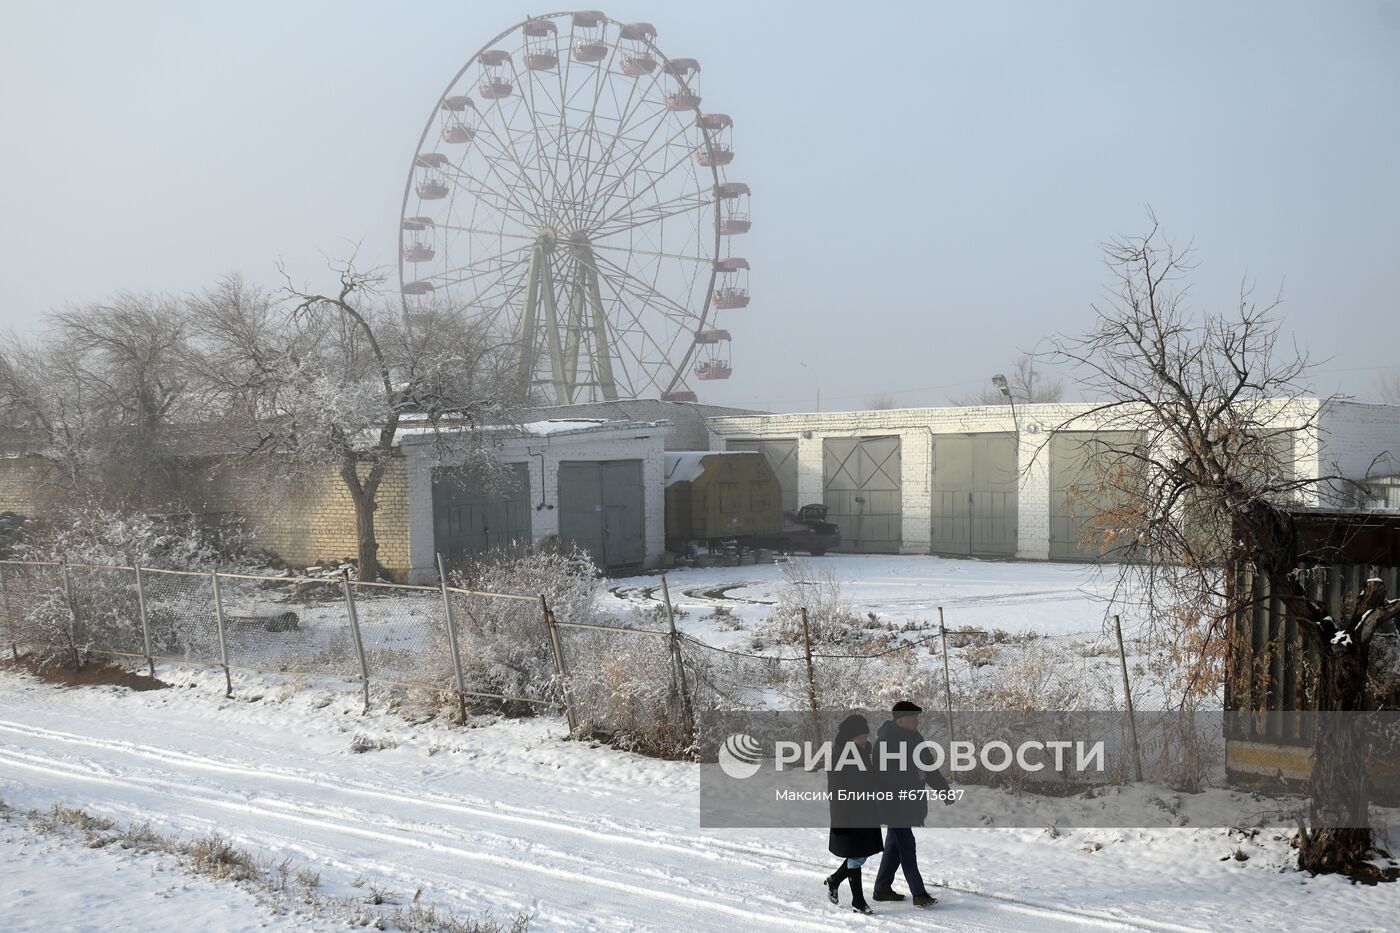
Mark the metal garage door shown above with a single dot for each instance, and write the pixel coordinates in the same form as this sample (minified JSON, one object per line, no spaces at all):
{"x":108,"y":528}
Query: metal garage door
{"x":781,"y":455}
{"x":1076,"y":460}
{"x":471,"y":516}
{"x":602,"y":509}
{"x":974,"y":495}
{"x":862,"y":492}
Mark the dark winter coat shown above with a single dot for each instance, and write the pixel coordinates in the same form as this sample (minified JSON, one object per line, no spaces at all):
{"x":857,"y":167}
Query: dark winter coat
{"x":902,"y":773}
{"x":855,"y":824}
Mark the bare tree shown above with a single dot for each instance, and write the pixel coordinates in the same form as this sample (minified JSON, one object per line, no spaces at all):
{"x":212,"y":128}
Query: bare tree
{"x":1387,"y":389}
{"x":1026,"y":383}
{"x":882,"y":402}
{"x":101,"y":394}
{"x":1194,"y":478}
{"x":43,"y":411}
{"x":334,"y":380}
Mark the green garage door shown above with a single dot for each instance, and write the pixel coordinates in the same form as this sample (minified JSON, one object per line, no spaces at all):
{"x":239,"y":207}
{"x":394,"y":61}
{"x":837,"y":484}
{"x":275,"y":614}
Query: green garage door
{"x":861,"y":489}
{"x":974,"y":495}
{"x":472,"y":515}
{"x":781,"y":455}
{"x":1079,"y":460}
{"x":602,"y":509}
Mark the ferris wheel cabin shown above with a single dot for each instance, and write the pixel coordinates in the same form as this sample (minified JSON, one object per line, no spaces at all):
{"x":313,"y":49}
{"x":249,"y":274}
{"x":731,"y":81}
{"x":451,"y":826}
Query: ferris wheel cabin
{"x":717,"y":148}
{"x":432,"y":184}
{"x":494,"y":83}
{"x":418,"y":243}
{"x":713,"y":369}
{"x":734,"y":207}
{"x":637,"y":59}
{"x":457,"y":112}
{"x":590,"y":41}
{"x":683,"y":84}
{"x":731,"y":283}
{"x":541,"y":45}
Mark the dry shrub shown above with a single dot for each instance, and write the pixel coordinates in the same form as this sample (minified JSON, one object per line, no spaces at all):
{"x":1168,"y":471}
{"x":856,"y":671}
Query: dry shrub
{"x":625,"y":687}
{"x":217,"y":857}
{"x":831,"y":619}
{"x":504,"y":643}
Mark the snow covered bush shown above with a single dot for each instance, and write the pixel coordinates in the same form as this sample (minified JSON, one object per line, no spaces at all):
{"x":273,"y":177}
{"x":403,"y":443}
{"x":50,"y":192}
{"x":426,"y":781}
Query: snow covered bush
{"x":91,"y":533}
{"x":94,"y":607}
{"x":504,"y":643}
{"x":830,"y":616}
{"x":872,"y":683}
{"x":626,"y":688}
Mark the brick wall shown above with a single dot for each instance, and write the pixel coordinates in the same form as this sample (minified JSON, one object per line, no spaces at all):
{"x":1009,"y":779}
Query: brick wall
{"x":312,"y":517}
{"x":29,"y":485}
{"x":1357,"y":439}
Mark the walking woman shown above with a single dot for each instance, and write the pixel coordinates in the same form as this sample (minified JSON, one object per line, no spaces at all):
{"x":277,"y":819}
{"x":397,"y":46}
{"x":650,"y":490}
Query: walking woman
{"x":855,"y":823}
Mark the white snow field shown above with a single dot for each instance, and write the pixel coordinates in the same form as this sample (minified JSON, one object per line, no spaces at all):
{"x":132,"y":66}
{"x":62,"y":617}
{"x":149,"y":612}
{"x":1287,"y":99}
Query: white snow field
{"x":55,"y":884}
{"x":508,"y":816}
{"x":1045,"y":598}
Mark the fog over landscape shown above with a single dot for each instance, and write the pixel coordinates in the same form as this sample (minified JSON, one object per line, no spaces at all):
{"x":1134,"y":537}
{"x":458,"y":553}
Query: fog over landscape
{"x":942,"y":176}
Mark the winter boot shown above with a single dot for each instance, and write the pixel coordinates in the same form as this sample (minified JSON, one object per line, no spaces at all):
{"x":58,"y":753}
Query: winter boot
{"x":924,"y":900}
{"x":858,"y":903}
{"x":833,"y":883}
{"x":889,"y":894}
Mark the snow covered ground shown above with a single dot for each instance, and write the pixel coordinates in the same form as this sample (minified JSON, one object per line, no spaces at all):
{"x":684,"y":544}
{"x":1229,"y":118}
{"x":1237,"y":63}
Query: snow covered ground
{"x":55,"y":884}
{"x":510,"y":817}
{"x":1045,"y":598}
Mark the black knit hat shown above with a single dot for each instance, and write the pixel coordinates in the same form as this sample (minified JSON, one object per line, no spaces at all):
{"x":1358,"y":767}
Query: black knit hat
{"x":851,"y":727}
{"x":905,"y":708}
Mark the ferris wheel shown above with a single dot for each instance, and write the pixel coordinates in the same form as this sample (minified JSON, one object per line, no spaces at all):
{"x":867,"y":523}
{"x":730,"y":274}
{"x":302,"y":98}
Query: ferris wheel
{"x":569,"y":193}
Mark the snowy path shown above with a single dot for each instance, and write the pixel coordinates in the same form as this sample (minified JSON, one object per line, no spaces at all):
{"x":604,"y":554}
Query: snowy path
{"x":510,"y":817}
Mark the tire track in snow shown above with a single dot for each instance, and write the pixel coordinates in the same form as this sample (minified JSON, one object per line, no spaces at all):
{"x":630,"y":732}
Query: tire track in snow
{"x":616,"y":834}
{"x":305,"y":814}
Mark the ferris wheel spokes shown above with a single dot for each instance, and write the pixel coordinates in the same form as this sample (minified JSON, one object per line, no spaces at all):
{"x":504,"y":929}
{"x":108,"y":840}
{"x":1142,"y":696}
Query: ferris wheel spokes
{"x":575,"y":208}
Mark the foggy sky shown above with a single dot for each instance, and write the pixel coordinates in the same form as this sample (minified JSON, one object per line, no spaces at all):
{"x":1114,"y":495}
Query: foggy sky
{"x":931,"y":181}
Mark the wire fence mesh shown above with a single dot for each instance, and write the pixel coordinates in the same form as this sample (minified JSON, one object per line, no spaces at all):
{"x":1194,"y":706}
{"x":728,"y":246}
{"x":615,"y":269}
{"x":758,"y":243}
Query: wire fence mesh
{"x":645,"y":681}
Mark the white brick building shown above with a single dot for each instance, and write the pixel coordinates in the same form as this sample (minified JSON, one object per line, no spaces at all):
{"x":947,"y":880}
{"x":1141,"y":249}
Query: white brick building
{"x":982,"y":481}
{"x":533,"y":508}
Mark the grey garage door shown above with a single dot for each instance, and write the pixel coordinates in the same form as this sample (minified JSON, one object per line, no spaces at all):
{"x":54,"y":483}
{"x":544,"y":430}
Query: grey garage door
{"x":781,"y":455}
{"x":471,"y":515}
{"x":602,"y":509}
{"x":862,"y":492}
{"x":974,"y":495}
{"x":1078,"y":461}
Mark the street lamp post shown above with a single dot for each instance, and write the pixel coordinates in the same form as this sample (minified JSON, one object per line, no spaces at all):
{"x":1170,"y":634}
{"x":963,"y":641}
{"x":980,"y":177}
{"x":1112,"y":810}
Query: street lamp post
{"x":1000,"y":382}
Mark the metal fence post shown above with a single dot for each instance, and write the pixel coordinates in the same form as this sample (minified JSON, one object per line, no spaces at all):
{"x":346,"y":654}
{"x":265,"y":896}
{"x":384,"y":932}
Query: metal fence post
{"x":145,"y":620}
{"x":9,"y":619}
{"x":687,"y":710}
{"x":355,"y":634}
{"x":1128,"y":697}
{"x":560,"y":668}
{"x":223,"y":641}
{"x":811,"y":676}
{"x":72,"y":617}
{"x":458,"y":679}
{"x":947,"y":678}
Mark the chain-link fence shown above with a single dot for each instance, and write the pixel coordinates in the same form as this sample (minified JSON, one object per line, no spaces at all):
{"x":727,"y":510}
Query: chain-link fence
{"x":420,"y":637}
{"x":645,"y":683}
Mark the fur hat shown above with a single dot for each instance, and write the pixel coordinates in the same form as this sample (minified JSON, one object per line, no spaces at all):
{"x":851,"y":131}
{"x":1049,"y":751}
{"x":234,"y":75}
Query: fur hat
{"x":905,"y":708}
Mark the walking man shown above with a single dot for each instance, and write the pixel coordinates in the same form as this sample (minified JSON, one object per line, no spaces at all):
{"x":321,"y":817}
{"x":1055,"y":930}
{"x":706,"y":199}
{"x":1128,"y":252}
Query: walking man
{"x":901,"y":775}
